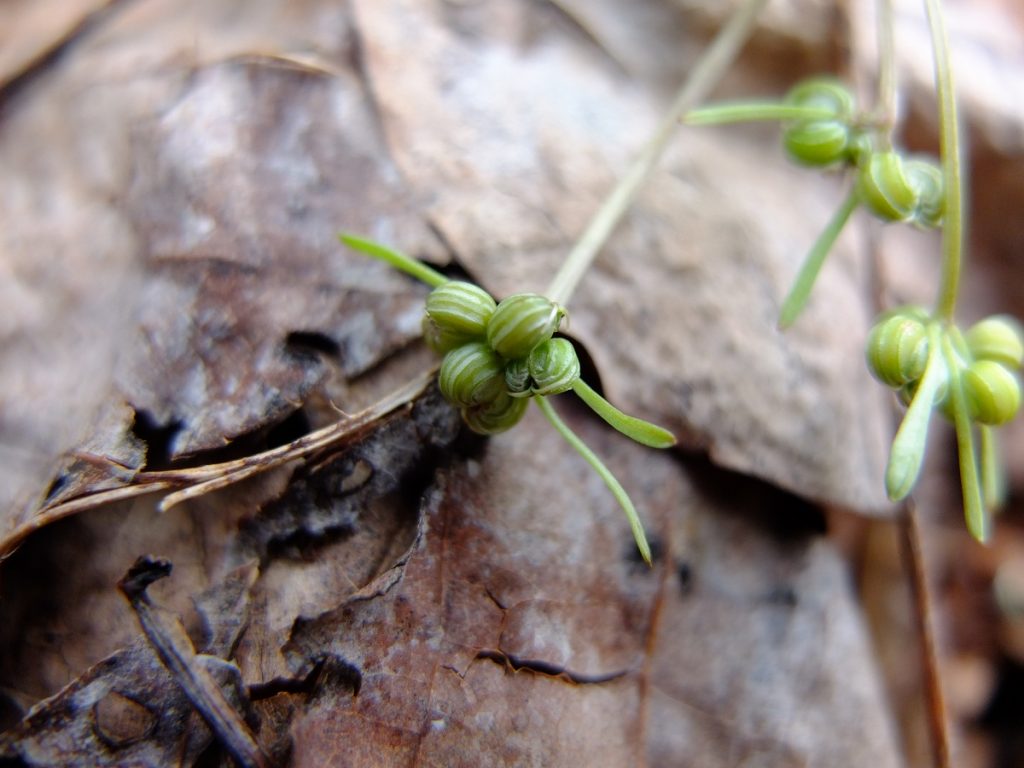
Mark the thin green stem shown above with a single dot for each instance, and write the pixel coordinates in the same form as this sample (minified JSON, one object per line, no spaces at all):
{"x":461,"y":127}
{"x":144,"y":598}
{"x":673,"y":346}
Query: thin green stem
{"x":753,"y":111}
{"x":609,"y":479}
{"x":993,"y":480}
{"x":949,"y":142}
{"x":396,"y":259}
{"x":712,"y":65}
{"x":635,"y":429}
{"x":796,"y":300}
{"x":974,"y":503}
{"x":887,"y":84}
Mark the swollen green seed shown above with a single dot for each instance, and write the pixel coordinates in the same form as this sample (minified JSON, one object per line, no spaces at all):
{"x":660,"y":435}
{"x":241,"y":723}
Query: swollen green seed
{"x":498,"y":415}
{"x":554,"y":367}
{"x":521,"y":322}
{"x":992,"y":391}
{"x":884,"y":187}
{"x":929,"y":190}
{"x":440,"y":339}
{"x":459,"y":307}
{"x":817,"y":142}
{"x":897,"y":349}
{"x":998,"y":338}
{"x":824,"y":93}
{"x":517,"y":377}
{"x":471,"y":375}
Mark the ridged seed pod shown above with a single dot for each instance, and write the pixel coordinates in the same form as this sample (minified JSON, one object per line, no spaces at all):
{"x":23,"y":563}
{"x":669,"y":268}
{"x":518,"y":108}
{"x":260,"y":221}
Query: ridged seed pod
{"x":992,"y":391}
{"x":822,"y":92}
{"x":818,"y":142}
{"x":897,"y":349}
{"x":998,"y":338}
{"x":461,"y":308}
{"x":554,"y":367}
{"x":824,"y":141}
{"x":929,"y":190}
{"x":441,"y":340}
{"x":471,"y":375}
{"x":521,"y":322}
{"x":498,"y":415}
{"x":885,"y":189}
{"x":517,"y":377}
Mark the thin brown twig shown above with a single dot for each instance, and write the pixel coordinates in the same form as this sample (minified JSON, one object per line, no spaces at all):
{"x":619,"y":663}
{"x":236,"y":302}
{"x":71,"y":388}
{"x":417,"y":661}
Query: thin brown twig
{"x":935,"y":702}
{"x":196,"y":481}
{"x":172,"y":645}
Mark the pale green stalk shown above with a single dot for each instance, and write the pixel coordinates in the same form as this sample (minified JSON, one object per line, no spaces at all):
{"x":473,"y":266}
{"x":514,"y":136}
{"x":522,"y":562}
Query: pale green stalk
{"x":887,"y":85}
{"x":796,"y":300}
{"x":949,"y":142}
{"x":753,"y":111}
{"x":974,"y":504}
{"x":396,"y":259}
{"x":993,"y":480}
{"x":609,"y":479}
{"x":712,"y":65}
{"x":636,"y":429}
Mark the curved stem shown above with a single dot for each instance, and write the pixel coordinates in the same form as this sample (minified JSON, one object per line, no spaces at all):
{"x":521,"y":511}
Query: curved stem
{"x":609,"y":479}
{"x":949,"y":141}
{"x":993,"y":480}
{"x":396,"y":259}
{"x":703,"y":76}
{"x":887,"y":85}
{"x":635,"y":429}
{"x":753,"y":111}
{"x":796,"y":300}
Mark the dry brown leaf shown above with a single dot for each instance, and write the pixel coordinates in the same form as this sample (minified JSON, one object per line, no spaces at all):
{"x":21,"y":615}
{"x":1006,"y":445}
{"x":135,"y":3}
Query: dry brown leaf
{"x":680,"y":311}
{"x":524,"y":630}
{"x":128,"y":709}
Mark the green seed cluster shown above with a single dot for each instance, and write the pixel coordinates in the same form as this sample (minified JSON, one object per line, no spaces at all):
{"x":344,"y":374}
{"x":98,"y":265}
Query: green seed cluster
{"x":986,"y":360}
{"x":497,"y":356}
{"x":892,"y":186}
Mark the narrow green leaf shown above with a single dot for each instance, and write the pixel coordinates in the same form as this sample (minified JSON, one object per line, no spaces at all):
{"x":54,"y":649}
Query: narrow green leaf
{"x":908,"y":447}
{"x":993,"y":478}
{"x":796,"y":300}
{"x":609,"y":479}
{"x":975,"y":513}
{"x":396,"y":259}
{"x":751,"y":111}
{"x":636,"y":429}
